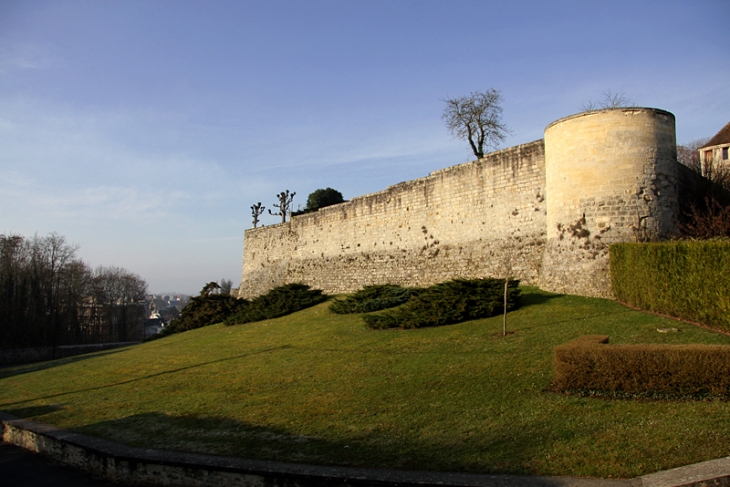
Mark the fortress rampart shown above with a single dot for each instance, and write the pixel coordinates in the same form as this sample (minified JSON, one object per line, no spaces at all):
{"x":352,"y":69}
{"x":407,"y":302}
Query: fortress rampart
{"x":544,"y":212}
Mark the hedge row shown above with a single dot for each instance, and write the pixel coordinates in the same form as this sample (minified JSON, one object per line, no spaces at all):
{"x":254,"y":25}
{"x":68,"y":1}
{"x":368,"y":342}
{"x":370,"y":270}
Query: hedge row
{"x":687,"y":279}
{"x":587,"y":365}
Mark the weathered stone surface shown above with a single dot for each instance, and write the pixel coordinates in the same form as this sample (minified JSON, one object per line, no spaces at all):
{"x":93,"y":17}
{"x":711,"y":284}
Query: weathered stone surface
{"x":611,"y":176}
{"x":544,"y":212}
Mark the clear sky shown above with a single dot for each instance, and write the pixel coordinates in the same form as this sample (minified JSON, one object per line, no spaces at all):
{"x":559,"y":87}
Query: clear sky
{"x":143,"y":131}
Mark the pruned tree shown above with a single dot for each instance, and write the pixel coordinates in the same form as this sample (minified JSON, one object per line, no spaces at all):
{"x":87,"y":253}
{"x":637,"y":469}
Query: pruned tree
{"x":609,"y":99}
{"x":256,"y":211}
{"x":477,"y":118}
{"x":284,"y":206}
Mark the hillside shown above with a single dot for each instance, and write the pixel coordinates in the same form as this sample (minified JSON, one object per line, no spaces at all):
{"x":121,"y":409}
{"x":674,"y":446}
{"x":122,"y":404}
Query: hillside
{"x":321,"y":388}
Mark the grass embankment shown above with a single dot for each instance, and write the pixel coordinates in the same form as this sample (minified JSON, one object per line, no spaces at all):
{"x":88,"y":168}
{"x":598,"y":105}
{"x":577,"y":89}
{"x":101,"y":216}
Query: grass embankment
{"x":321,"y":388}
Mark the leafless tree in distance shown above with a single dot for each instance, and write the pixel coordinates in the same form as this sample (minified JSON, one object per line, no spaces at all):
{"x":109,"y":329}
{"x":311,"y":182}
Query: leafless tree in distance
{"x":477,"y":118}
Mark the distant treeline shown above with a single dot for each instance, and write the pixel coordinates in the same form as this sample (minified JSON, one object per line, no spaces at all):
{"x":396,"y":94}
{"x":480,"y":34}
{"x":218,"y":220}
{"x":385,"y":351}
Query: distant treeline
{"x":49,"y":297}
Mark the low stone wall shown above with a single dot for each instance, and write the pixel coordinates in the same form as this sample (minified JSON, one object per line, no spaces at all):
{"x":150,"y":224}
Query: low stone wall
{"x":122,"y":464}
{"x":137,"y":466}
{"x":41,"y":354}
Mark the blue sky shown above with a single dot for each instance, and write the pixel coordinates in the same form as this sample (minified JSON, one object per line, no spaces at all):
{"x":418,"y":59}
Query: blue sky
{"x":143,"y":131}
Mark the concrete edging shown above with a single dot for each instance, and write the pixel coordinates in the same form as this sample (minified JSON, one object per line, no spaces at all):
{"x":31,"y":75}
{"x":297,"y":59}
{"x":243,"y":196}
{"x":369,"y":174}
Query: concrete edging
{"x":120,"y":463}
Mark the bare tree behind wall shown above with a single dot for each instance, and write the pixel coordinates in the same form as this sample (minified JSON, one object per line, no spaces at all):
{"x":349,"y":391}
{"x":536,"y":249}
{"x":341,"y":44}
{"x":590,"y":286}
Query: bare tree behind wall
{"x":477,"y":119}
{"x":285,"y":200}
{"x":608,"y":99}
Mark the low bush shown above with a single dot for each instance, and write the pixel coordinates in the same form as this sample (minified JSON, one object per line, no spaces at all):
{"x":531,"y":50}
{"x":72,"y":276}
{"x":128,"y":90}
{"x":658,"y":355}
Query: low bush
{"x":280,"y":301}
{"x":686,"y":279}
{"x":373,"y":298}
{"x":205,"y":309}
{"x":589,"y":366}
{"x":449,"y":302}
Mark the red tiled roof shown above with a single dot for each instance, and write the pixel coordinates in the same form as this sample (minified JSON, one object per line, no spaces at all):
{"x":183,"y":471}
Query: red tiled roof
{"x":722,"y":137}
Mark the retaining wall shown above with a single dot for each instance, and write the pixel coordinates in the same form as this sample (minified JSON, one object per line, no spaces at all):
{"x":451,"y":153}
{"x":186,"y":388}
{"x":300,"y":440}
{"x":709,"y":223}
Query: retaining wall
{"x":137,"y":466}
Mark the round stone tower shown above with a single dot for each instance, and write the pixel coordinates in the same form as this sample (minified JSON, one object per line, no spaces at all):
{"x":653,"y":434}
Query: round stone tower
{"x":611,"y":176}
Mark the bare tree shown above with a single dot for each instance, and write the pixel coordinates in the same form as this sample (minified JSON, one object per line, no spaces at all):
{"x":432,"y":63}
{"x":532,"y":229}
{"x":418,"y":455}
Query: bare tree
{"x":285,"y":200}
{"x":689,"y":154}
{"x":48,"y":297}
{"x":256,"y":211}
{"x":609,"y":99}
{"x":705,"y":210}
{"x":476,"y":118}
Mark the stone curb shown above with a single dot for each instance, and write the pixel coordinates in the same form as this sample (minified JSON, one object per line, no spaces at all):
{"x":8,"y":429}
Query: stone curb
{"x":119,"y":463}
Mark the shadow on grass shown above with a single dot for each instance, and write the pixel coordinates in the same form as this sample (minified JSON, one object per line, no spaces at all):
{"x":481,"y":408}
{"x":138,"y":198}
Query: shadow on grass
{"x":33,"y":411}
{"x":149,"y":376}
{"x":13,"y":370}
{"x":532,"y":298}
{"x":503,"y":450}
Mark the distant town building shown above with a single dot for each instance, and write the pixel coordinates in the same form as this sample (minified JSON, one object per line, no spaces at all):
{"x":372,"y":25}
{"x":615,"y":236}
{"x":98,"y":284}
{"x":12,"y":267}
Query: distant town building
{"x":715,"y":152}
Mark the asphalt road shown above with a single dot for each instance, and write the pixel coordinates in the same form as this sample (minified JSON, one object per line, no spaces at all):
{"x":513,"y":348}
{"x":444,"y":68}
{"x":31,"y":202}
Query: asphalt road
{"x":22,"y":468}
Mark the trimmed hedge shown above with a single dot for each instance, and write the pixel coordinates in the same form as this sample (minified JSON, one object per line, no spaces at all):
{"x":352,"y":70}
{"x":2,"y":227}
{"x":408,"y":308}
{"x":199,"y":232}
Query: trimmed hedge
{"x":373,"y":298}
{"x":280,"y":301}
{"x":449,"y":302}
{"x":685,"y":279}
{"x":587,"y":365}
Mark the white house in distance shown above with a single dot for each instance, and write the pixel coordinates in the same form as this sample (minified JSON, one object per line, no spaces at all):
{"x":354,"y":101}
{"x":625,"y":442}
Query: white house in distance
{"x":715,"y":152}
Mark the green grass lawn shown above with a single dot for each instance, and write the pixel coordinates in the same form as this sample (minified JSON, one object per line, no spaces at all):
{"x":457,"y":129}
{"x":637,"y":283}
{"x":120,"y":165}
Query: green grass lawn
{"x":321,"y":388}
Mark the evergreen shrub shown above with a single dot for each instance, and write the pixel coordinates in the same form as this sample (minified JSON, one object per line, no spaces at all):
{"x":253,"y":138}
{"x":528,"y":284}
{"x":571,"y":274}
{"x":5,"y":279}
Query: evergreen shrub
{"x":685,"y":279}
{"x":589,"y":366}
{"x":373,"y":298}
{"x":280,"y":301}
{"x":203,"y":310}
{"x":449,"y":302}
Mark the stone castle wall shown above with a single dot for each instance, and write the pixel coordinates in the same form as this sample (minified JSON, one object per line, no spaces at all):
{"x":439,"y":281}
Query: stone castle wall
{"x":456,"y":222}
{"x":544,"y":212}
{"x":611,"y":176}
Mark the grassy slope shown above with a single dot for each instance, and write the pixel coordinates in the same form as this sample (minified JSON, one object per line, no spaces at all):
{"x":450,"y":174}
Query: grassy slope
{"x":321,"y":388}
